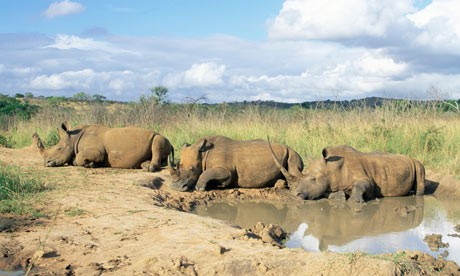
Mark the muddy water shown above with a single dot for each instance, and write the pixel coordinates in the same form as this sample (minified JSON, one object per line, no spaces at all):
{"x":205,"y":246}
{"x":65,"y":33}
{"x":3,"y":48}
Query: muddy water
{"x":379,"y":226}
{"x":12,"y":273}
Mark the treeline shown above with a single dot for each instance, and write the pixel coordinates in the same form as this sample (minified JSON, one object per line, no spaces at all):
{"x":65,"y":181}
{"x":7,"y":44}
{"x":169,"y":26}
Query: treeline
{"x":78,"y":97}
{"x":370,"y":102}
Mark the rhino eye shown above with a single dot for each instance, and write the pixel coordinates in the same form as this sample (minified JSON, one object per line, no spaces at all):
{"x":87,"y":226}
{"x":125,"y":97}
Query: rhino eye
{"x":59,"y":148}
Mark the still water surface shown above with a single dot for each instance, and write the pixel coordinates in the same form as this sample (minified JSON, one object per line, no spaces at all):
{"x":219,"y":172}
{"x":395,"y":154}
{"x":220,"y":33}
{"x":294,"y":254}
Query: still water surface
{"x":383,"y":226}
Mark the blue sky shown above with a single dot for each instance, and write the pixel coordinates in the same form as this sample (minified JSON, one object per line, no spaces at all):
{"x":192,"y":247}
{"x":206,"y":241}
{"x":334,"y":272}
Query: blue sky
{"x":291,"y":50}
{"x":145,"y":18}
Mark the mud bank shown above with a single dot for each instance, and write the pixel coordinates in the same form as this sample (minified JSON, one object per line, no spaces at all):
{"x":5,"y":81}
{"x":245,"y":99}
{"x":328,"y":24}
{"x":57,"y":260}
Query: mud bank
{"x":126,"y":222}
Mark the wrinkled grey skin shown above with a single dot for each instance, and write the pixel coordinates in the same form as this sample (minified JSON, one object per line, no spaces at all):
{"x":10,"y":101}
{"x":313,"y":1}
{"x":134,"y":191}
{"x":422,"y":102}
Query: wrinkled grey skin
{"x":96,"y":145}
{"x":220,"y":162}
{"x":360,"y":175}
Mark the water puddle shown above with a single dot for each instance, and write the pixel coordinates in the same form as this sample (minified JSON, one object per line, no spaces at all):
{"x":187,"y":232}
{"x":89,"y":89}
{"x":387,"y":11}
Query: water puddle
{"x":12,"y":273}
{"x":383,"y":226}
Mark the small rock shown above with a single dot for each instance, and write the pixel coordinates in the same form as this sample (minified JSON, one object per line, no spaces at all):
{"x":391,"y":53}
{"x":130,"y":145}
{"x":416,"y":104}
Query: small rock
{"x":434,"y":242}
{"x":457,"y":228}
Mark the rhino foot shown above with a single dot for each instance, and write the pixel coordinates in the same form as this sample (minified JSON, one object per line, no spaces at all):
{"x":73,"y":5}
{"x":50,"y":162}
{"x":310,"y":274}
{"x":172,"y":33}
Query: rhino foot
{"x":153,"y":168}
{"x":89,"y":165}
{"x":357,"y":199}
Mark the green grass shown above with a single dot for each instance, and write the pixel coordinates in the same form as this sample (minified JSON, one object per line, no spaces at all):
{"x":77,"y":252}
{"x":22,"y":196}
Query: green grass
{"x":422,"y":132}
{"x":18,"y":193}
{"x":74,"y":212}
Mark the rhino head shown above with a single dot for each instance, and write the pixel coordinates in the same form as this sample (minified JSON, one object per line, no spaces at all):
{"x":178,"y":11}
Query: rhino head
{"x":316,"y":180}
{"x":189,"y":169}
{"x":59,"y":154}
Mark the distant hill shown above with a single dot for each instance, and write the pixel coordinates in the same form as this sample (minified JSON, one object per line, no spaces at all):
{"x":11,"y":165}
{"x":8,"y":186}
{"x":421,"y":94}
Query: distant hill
{"x":370,"y":102}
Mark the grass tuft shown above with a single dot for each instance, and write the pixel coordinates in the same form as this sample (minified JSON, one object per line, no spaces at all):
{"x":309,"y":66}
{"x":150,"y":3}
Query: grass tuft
{"x":17,"y":192}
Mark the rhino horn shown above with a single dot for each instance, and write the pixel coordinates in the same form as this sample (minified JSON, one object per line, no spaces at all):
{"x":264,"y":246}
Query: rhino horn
{"x":289,"y":177}
{"x":38,"y":142}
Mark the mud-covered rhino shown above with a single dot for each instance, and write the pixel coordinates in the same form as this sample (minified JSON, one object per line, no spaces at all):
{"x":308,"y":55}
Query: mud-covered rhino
{"x":220,"y":162}
{"x":97,"y":145}
{"x":360,"y":175}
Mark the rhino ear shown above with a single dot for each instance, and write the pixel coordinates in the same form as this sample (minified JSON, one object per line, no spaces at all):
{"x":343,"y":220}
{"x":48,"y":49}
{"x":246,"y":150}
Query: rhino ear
{"x":328,"y":157}
{"x":205,"y":145}
{"x":65,"y":126}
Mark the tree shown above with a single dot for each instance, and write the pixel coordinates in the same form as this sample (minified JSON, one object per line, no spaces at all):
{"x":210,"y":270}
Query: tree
{"x":19,"y":95}
{"x":98,"y":98}
{"x":159,"y":94}
{"x":29,"y":95}
{"x":81,"y":97}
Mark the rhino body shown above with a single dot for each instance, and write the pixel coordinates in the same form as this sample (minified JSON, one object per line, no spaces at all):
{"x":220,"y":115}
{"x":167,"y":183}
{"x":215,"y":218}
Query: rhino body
{"x":97,"y":145}
{"x":220,"y":162}
{"x":360,"y":175}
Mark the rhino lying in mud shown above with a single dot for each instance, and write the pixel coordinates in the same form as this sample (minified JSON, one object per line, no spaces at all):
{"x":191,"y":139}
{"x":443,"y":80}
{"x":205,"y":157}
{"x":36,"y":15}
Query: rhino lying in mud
{"x":220,"y":162}
{"x":97,"y":145}
{"x":360,"y":175}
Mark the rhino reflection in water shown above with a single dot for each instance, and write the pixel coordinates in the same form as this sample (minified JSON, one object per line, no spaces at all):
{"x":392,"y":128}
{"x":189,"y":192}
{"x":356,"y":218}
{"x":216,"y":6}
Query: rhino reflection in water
{"x":330,"y":222}
{"x":340,"y":224}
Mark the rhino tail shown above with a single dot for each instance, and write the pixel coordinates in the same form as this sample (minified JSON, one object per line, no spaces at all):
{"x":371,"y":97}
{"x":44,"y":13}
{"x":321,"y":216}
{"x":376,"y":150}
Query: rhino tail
{"x":420,"y":178}
{"x":287,"y":175}
{"x":38,"y":142}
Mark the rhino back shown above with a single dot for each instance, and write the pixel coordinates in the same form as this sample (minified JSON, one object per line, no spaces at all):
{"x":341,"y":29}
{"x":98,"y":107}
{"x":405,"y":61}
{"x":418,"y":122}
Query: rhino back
{"x":392,"y":174}
{"x":127,"y":147}
{"x":250,"y":161}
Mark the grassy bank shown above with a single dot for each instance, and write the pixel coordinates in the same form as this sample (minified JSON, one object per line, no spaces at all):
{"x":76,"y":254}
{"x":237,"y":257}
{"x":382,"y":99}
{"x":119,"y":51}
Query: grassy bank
{"x":18,"y":191}
{"x":423,"y":132}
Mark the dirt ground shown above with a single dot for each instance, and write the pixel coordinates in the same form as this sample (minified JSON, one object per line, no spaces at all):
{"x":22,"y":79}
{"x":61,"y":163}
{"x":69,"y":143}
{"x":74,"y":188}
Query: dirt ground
{"x":127,"y":222}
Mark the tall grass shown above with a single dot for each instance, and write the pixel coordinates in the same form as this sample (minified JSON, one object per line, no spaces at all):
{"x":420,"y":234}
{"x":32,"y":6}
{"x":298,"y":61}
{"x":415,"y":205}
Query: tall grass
{"x":17,"y":192}
{"x":420,"y":131}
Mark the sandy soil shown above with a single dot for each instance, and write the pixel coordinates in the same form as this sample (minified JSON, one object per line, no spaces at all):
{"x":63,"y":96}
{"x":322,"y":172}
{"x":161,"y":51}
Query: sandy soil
{"x":126,"y":222}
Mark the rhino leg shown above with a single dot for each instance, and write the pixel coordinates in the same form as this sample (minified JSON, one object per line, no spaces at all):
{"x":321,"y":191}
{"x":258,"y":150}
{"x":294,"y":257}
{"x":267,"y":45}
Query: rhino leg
{"x":220,"y":175}
{"x":361,"y":189}
{"x":88,"y":158}
{"x":161,"y":148}
{"x":420,"y":178}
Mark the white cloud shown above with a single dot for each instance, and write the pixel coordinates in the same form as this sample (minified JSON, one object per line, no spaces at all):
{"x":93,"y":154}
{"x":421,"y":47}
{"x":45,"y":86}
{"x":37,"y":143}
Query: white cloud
{"x":67,"y":42}
{"x":199,"y":75}
{"x":439,"y":24}
{"x":64,"y":80}
{"x":224,"y":68}
{"x":204,"y":74}
{"x":353,"y":77}
{"x":337,"y":19}
{"x":62,"y":8}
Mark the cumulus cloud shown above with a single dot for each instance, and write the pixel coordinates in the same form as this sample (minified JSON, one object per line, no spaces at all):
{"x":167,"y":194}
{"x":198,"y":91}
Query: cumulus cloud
{"x":318,"y":53}
{"x":198,"y":75}
{"x":354,"y":77}
{"x":337,"y":19}
{"x":63,"y":8}
{"x":439,"y":25}
{"x":119,"y":83}
{"x":64,"y":80}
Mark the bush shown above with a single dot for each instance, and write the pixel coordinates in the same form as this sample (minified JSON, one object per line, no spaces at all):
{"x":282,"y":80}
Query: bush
{"x":11,"y":109}
{"x":6,"y":142}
